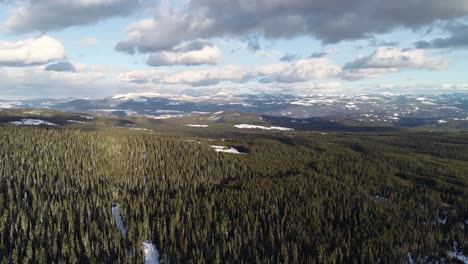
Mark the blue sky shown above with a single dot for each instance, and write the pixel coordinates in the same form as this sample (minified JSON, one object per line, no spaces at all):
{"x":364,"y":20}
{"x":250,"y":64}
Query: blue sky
{"x":98,"y":48}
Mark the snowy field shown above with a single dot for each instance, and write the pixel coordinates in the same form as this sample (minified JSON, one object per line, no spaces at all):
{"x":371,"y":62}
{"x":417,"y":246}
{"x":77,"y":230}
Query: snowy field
{"x":226,"y":149}
{"x":32,"y":122}
{"x":246,"y":126}
{"x":195,"y":125}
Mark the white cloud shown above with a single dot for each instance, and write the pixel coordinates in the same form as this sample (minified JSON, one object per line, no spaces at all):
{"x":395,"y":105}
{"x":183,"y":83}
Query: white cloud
{"x":206,"y":55}
{"x":211,"y":76}
{"x":141,"y":77}
{"x":30,"y":52}
{"x":390,"y":60}
{"x":299,"y":71}
{"x":35,"y":81}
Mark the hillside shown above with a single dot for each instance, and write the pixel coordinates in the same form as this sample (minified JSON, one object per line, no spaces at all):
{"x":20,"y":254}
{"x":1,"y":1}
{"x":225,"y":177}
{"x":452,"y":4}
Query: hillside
{"x":290,"y":197}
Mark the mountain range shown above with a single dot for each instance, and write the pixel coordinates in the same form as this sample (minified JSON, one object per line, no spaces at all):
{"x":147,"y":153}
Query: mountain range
{"x":385,"y":109}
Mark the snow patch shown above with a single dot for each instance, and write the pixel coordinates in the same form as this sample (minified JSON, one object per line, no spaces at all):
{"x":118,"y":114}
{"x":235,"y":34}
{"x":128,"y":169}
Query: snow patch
{"x":195,"y":125}
{"x":226,"y":149}
{"x":139,"y":100}
{"x":459,"y":256}
{"x":139,"y":129}
{"x":118,"y":219}
{"x":241,"y":126}
{"x":410,"y":258}
{"x":150,"y":252}
{"x":9,"y":105}
{"x":164,"y":111}
{"x":442,"y":121}
{"x":76,"y":122}
{"x":32,"y":122}
{"x":163,"y":116}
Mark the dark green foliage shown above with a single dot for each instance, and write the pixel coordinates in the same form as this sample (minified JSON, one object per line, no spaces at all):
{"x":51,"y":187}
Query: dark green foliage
{"x":303,"y":198}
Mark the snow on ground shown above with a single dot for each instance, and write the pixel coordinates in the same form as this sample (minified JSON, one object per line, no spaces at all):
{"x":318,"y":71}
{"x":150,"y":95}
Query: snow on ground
{"x":118,"y":219}
{"x":442,"y":121}
{"x":163,"y":111}
{"x":163,"y":116}
{"x":139,"y":100}
{"x":139,"y":129}
{"x":310,"y":102}
{"x":87,"y":117}
{"x":351,"y":105}
{"x":195,"y":125}
{"x":263,"y":127}
{"x":76,"y":122}
{"x":9,"y":105}
{"x":243,"y":104}
{"x":459,"y":256}
{"x":150,"y":252}
{"x":32,"y":122}
{"x":226,"y":149}
{"x":410,"y":258}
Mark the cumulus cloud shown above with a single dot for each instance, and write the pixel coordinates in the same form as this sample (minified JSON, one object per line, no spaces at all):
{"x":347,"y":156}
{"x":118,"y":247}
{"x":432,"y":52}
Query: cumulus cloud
{"x":30,"y":52}
{"x":142,"y":77}
{"x":330,"y":21}
{"x":382,"y":61}
{"x":35,"y":81}
{"x":211,"y":76}
{"x":457,"y":38}
{"x":63,"y":66}
{"x":388,"y":60}
{"x":299,"y":71}
{"x":191,"y":54}
{"x":48,"y":15}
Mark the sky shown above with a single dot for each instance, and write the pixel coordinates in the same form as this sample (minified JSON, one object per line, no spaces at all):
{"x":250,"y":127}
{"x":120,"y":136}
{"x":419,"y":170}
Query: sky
{"x":100,"y":48}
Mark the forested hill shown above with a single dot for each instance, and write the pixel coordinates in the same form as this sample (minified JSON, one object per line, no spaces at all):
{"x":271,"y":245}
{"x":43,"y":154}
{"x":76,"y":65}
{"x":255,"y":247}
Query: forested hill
{"x":288,"y":198}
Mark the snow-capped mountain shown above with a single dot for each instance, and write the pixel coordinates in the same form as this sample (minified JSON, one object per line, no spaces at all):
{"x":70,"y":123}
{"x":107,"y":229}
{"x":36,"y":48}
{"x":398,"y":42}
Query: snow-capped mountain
{"x":376,"y":108}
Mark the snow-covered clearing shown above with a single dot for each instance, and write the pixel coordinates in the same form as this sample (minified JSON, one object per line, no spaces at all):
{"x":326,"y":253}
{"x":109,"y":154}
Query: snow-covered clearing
{"x":195,"y":125}
{"x":226,"y":149}
{"x":76,"y":122}
{"x":163,"y":116}
{"x":32,"y":122}
{"x":139,"y":129}
{"x":459,"y":256}
{"x":9,"y":105}
{"x":150,"y":252}
{"x":241,"y":126}
{"x":118,"y":219}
